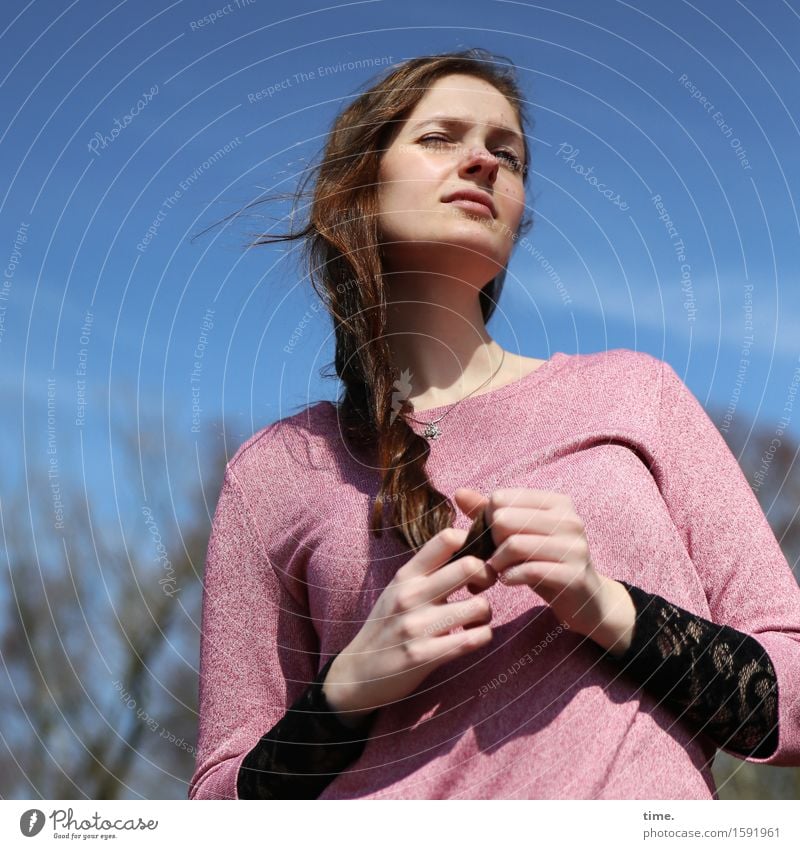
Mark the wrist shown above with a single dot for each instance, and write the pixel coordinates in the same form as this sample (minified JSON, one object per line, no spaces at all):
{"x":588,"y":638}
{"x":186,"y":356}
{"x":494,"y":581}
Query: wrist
{"x":614,"y":630}
{"x":340,"y":694}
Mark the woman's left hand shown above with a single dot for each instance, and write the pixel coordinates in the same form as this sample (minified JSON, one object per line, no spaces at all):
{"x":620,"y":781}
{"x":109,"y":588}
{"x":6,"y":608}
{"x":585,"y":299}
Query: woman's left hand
{"x":541,"y":543}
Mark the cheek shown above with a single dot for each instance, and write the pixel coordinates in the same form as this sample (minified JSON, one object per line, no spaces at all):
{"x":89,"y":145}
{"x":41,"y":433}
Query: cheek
{"x":401,"y":196}
{"x":407,"y":190}
{"x":513,"y":207}
{"x":390,"y":187}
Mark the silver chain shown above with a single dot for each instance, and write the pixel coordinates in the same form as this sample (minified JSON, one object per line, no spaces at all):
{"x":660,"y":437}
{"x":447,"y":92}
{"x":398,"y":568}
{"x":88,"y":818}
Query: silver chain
{"x":432,"y":429}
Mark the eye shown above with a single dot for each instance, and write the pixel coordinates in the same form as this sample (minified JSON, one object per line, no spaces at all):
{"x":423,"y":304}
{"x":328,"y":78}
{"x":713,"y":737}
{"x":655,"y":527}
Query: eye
{"x":431,"y":137}
{"x":513,"y":160}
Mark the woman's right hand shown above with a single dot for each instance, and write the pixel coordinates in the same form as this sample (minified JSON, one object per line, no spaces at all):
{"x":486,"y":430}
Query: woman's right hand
{"x":407,"y":634}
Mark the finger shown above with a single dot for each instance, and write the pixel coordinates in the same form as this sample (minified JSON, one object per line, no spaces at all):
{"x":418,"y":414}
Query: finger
{"x":524,"y":497}
{"x":452,"y":577}
{"x":436,"y":552}
{"x":440,"y":619}
{"x":470,"y":501}
{"x":482,"y":581}
{"x":533,"y":520}
{"x":450,"y":646}
{"x":519,"y":548}
{"x":522,"y":573}
{"x":479,"y":542}
{"x":540,"y":573}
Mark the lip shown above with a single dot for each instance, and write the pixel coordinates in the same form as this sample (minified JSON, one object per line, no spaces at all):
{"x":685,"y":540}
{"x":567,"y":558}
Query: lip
{"x":473,"y":199}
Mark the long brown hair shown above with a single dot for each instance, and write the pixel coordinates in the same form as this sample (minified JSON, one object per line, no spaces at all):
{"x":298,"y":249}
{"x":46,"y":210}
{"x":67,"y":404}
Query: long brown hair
{"x":342,"y":249}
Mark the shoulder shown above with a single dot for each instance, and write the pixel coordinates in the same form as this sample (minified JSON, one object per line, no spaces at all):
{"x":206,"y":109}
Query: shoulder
{"x":619,"y":388}
{"x":619,"y":366}
{"x":286,"y":449}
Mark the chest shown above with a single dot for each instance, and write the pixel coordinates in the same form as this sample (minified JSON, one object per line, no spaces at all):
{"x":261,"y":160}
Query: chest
{"x":629,"y":530}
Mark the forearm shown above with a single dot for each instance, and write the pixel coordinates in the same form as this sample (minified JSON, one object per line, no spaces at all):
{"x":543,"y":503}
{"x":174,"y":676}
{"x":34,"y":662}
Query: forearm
{"x":310,"y":745}
{"x":718,"y":679}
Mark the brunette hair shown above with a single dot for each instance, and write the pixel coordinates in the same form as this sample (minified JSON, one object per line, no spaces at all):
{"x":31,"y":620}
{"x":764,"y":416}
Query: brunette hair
{"x":342,"y":249}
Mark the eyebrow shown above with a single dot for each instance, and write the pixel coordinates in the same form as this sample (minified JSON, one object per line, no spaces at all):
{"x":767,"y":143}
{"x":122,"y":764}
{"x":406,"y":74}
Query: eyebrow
{"x":463,"y":122}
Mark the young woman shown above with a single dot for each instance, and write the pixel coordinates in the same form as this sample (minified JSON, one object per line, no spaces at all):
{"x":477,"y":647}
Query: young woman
{"x":637,"y":612}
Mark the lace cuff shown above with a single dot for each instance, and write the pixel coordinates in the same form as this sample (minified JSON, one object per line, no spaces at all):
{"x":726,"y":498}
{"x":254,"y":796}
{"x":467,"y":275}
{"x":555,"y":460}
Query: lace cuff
{"x":308,"y":747}
{"x":718,"y":679}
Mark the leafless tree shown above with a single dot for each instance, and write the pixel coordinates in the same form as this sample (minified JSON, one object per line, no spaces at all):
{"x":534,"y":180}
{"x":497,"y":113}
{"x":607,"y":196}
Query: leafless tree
{"x":100,"y":632}
{"x":100,"y":635}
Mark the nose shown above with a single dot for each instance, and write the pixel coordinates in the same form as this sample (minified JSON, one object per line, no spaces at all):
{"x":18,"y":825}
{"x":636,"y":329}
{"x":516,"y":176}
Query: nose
{"x":478,"y":160}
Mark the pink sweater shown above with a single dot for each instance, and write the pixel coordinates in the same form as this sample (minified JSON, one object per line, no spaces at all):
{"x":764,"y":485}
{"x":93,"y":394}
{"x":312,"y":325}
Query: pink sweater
{"x":292,"y":574}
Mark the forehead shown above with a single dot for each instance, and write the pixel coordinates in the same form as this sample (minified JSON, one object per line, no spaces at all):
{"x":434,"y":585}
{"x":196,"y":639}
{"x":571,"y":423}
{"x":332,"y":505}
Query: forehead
{"x":466,"y":97}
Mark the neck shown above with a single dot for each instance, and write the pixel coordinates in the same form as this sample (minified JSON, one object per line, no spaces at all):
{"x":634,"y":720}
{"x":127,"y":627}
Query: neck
{"x":437,"y":335}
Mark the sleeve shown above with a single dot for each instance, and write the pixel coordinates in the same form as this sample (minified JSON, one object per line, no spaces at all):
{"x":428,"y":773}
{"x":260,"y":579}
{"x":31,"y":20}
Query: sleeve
{"x":747,"y":580}
{"x":258,"y":647}
{"x":718,"y":680}
{"x":305,"y":751}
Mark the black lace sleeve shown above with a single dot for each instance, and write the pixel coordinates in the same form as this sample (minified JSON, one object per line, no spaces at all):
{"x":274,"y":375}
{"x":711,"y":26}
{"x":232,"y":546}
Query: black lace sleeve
{"x":307,"y":748}
{"x":718,"y":679}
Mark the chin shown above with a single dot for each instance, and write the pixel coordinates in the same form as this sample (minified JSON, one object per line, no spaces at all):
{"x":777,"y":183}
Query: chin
{"x":447,"y":245}
{"x":484,"y":246}
{"x":465,"y":259}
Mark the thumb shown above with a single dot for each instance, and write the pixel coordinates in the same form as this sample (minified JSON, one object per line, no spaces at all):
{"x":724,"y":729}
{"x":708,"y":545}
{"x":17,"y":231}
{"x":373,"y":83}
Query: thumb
{"x":470,"y":501}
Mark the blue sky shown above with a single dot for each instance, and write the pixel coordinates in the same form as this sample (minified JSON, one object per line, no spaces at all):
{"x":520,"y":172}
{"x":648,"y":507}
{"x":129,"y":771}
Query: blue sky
{"x":691,"y":104}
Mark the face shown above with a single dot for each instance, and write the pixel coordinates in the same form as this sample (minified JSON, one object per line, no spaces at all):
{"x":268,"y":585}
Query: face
{"x":463,"y":135}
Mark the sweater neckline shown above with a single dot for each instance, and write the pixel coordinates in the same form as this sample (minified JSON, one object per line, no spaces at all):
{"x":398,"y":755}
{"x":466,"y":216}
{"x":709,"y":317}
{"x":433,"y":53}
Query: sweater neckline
{"x":556,"y":361}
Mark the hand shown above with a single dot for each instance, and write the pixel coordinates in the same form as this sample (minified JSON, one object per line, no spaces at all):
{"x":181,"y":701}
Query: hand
{"x":541,"y":542}
{"x":408,"y":633}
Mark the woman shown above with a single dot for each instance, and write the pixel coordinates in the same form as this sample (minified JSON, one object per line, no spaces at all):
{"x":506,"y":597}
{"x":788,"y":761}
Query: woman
{"x":637,"y":612}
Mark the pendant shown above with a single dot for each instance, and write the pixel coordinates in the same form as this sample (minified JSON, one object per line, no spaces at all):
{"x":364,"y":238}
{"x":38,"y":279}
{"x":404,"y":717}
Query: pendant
{"x":432,"y":431}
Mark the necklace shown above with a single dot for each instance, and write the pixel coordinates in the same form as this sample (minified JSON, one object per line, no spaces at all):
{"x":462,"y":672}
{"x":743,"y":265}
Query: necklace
{"x":432,"y":429}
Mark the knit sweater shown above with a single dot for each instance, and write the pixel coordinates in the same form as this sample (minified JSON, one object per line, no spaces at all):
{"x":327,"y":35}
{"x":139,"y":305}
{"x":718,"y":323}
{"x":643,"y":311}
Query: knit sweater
{"x":717,"y":679}
{"x":292,"y":574}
